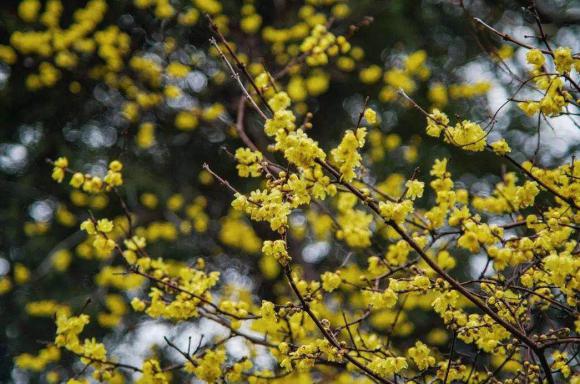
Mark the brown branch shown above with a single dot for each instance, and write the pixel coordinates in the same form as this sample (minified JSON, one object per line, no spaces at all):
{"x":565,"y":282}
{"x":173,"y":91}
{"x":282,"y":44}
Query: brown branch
{"x":517,"y":333}
{"x":570,"y":201}
{"x":326,"y":334}
{"x":239,"y":64}
{"x":195,"y":296}
{"x":509,"y":38}
{"x":236,"y":77}
{"x":240,"y":125}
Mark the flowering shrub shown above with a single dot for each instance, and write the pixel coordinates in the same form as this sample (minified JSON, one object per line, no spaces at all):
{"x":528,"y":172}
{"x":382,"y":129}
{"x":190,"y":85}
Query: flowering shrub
{"x":286,"y":255}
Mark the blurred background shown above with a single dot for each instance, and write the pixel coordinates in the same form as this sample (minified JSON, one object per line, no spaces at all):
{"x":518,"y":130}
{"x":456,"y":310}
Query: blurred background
{"x":142,"y":85}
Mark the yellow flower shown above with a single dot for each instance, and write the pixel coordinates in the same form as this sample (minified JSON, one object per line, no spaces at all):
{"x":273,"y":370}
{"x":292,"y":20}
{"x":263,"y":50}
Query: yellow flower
{"x":346,"y":155}
{"x":52,"y":377}
{"x":21,"y":273}
{"x":467,"y":91}
{"x":530,"y":108}
{"x":297,"y":88}
{"x":282,"y":122}
{"x":92,"y":350}
{"x":5,"y":285}
{"x":115,"y":166}
{"x":175,"y":202}
{"x":371,"y":74}
{"x":414,"y":189}
{"x":65,"y":59}
{"x":7,"y":54}
{"x":299,"y":149}
{"x":213,"y":112}
{"x":61,"y":162}
{"x":58,"y":172}
{"x":279,"y":102}
{"x":149,"y":200}
{"x":501,"y":147}
{"x":535,"y":57}
{"x":89,"y":227}
{"x":249,"y":162}
{"x":145,"y":135}
{"x":436,"y":123}
{"x":209,"y":367}
{"x":189,"y":17}
{"x":438,"y":95}
{"x":414,"y":63}
{"x":317,"y":83}
{"x":28,"y":10}
{"x":395,"y":211}
{"x":61,"y":260}
{"x":397,"y":78}
{"x":177,"y":69}
{"x":340,"y":10}
{"x":138,"y":305}
{"x":77,"y":180}
{"x":65,"y":217}
{"x":210,"y":6}
{"x":421,"y":356}
{"x":354,"y":228}
{"x":186,"y":121}
{"x":277,"y":250}
{"x":467,"y":135}
{"x":505,"y":52}
{"x":330,"y":281}
{"x":68,"y":329}
{"x":39,"y":362}
{"x":370,"y":116}
{"x":104,"y":225}
{"x":563,"y":59}
{"x":251,"y":23}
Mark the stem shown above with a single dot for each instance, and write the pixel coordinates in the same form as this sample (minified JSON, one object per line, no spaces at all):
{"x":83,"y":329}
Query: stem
{"x":326,"y":334}
{"x":518,"y":334}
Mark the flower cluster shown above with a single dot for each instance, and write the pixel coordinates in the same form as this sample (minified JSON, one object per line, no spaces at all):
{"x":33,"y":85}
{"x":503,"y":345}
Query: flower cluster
{"x":87,"y":182}
{"x":346,"y":156}
{"x":100,"y":230}
{"x":555,"y":96}
{"x":249,"y":162}
{"x":321,"y":44}
{"x":276,"y":250}
{"x":465,"y":134}
{"x":368,"y":267}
